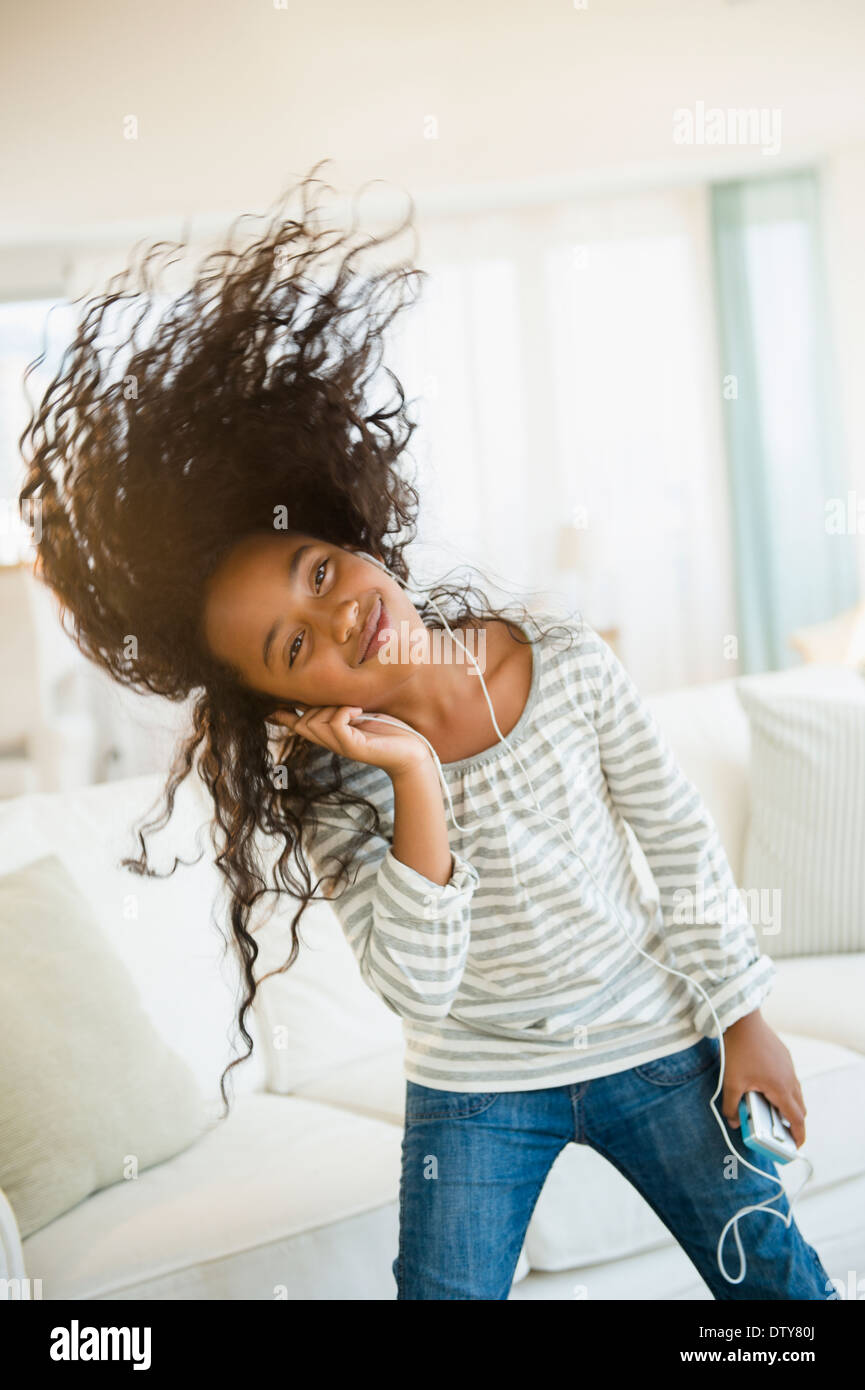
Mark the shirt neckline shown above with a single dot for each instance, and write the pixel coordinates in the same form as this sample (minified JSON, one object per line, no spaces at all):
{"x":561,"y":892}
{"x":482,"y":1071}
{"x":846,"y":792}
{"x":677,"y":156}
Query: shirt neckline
{"x":519,"y":730}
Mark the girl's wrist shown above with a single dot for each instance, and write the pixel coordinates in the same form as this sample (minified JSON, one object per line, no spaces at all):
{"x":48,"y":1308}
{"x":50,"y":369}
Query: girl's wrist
{"x":748,"y":1023}
{"x":414,"y":773}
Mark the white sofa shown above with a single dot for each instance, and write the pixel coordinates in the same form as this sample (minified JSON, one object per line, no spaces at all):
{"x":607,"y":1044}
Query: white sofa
{"x":295,"y":1195}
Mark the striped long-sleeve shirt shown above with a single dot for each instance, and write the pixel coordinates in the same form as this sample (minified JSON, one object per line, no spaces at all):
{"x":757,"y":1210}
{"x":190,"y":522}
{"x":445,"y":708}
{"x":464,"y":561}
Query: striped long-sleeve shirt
{"x":515,"y":974}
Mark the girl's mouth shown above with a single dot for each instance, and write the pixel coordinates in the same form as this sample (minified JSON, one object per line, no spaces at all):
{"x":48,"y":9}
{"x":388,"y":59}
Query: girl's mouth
{"x":377,"y":639}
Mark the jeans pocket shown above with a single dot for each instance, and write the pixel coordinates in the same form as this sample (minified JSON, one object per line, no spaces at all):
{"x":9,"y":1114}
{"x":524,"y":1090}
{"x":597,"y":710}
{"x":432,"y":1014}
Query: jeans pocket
{"x":429,"y":1103}
{"x":681,"y":1066}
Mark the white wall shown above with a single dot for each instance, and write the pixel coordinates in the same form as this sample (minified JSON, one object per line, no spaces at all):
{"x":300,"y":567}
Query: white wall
{"x":456,"y":101}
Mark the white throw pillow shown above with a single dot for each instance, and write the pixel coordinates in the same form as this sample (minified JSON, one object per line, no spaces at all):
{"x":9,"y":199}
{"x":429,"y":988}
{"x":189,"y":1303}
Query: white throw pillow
{"x":804,"y":860}
{"x":90,"y":1094}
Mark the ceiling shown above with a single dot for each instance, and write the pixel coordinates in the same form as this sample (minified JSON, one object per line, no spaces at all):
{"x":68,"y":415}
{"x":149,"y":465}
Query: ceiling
{"x":235,"y":99}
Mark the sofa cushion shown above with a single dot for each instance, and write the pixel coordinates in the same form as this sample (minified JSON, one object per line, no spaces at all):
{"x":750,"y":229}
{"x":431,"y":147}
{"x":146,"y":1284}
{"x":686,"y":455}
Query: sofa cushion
{"x":90,"y":1094}
{"x":710,"y":736}
{"x":805,"y":845}
{"x":708,"y":733}
{"x":283,"y":1199}
{"x":167,"y":929}
{"x":318,"y":1016}
{"x":819,"y":997}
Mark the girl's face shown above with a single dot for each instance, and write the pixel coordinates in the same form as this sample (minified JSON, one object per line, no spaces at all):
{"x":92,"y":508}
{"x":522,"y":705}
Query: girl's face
{"x":294,"y":615}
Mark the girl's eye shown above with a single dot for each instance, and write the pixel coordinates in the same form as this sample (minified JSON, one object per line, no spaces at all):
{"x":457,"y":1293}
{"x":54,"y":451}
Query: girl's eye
{"x":295,"y":646}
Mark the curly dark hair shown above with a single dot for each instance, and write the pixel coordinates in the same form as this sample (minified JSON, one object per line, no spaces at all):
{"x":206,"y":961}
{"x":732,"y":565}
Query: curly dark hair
{"x":246,"y":397}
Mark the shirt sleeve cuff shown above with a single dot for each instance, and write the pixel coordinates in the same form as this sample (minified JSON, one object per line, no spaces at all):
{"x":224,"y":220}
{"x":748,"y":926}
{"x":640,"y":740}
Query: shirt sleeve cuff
{"x":737,"y":997}
{"x":428,"y":898}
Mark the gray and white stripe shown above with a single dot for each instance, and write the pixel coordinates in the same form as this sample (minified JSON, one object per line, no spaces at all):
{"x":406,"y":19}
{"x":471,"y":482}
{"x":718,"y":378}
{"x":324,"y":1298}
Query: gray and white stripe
{"x":516,"y":974}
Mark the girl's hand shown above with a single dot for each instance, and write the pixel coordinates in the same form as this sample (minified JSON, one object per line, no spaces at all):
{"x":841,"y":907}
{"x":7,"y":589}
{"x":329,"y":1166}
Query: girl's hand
{"x":393,"y":750}
{"x":757,"y":1060}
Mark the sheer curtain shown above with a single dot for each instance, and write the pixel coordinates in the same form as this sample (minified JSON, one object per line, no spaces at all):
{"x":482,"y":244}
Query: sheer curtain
{"x":565,"y":360}
{"x":794,"y":567}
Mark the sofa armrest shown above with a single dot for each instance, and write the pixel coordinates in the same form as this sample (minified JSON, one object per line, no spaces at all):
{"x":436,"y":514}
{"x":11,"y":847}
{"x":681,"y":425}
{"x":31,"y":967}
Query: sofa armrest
{"x":11,"y":1253}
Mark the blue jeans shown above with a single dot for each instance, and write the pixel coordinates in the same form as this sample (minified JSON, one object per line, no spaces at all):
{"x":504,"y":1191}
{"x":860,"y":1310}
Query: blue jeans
{"x":473,"y":1166}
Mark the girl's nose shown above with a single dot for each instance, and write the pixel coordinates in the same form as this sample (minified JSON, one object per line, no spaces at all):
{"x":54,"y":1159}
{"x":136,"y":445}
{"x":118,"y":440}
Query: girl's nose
{"x":344,"y":620}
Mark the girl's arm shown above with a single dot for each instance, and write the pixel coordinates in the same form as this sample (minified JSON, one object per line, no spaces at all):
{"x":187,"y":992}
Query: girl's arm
{"x":707,"y":926}
{"x":420,"y":833}
{"x":713,"y":942}
{"x":409,"y":932}
{"x":406,"y":910}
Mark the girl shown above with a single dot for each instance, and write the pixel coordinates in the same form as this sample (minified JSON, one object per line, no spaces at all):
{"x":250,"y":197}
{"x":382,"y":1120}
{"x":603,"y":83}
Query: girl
{"x":212,"y":517}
